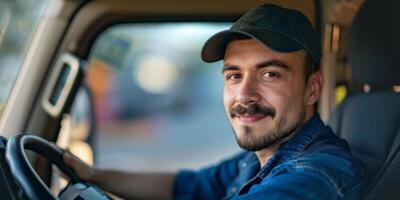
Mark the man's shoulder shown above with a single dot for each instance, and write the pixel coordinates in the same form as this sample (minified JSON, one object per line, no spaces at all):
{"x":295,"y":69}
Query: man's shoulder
{"x":329,"y":158}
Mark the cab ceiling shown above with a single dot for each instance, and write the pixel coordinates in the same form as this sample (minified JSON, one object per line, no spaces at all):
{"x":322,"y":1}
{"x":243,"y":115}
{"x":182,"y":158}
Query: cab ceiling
{"x":95,"y":16}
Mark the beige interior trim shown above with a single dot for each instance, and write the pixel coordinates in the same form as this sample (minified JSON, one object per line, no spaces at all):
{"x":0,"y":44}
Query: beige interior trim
{"x":34,"y":67}
{"x":98,"y":14}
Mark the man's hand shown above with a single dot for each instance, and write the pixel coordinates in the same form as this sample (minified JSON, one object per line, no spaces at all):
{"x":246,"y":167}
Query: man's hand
{"x":83,"y":170}
{"x":125,"y":184}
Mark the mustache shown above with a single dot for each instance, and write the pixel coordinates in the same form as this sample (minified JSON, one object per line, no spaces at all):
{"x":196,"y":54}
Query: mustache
{"x":252,"y":109}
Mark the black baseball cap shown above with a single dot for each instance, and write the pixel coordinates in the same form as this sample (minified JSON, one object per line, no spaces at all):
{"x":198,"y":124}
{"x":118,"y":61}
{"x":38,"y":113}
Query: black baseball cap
{"x":281,"y":29}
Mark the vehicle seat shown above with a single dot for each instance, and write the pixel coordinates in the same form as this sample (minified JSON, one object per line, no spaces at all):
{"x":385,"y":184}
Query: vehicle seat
{"x":370,"y":121}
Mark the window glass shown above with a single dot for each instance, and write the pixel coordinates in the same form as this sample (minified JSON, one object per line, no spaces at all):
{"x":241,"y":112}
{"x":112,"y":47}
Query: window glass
{"x":157,"y":106}
{"x":18,"y":22}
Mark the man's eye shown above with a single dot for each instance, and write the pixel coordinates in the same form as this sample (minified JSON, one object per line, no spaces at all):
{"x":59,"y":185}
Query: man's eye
{"x":270,"y":75}
{"x":232,"y":76}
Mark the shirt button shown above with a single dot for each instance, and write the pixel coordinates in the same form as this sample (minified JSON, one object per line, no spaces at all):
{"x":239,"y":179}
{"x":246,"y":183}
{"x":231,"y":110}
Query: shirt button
{"x":244,"y":165}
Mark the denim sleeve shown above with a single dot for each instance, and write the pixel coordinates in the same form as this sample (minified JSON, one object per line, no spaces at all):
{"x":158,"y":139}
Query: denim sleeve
{"x":293,"y":186}
{"x":208,"y":183}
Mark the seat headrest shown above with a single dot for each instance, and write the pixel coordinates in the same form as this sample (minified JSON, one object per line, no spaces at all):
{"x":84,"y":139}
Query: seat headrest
{"x":374,"y":45}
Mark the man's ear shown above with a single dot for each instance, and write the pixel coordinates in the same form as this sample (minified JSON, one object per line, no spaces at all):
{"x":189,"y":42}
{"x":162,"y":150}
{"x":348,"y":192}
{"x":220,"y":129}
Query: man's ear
{"x":314,"y":88}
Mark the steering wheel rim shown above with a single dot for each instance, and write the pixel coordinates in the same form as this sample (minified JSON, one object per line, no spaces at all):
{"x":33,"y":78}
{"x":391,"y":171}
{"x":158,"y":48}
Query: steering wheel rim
{"x":26,"y":177}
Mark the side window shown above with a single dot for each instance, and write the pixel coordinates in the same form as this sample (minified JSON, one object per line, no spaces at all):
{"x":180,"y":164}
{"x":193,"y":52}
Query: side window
{"x":156,"y":105}
{"x":18,"y":23}
{"x":338,"y":17}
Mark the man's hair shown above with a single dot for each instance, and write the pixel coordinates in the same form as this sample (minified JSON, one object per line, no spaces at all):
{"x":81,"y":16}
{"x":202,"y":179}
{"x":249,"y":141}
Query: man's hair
{"x":309,"y":66}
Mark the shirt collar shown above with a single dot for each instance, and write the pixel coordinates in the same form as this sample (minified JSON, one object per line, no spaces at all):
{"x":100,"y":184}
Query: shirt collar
{"x":287,"y":151}
{"x":304,"y":136}
{"x":295,"y":145}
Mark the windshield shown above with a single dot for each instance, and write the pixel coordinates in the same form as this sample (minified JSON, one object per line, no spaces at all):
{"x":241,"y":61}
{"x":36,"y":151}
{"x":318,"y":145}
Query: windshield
{"x":155,"y":97}
{"x":18,"y":22}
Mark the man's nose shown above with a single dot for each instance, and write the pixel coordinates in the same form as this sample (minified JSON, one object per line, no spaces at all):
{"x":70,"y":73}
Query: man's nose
{"x":247,"y":92}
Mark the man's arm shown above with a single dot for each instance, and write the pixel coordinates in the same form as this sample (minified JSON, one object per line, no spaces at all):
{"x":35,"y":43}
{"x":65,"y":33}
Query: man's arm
{"x":125,"y":184}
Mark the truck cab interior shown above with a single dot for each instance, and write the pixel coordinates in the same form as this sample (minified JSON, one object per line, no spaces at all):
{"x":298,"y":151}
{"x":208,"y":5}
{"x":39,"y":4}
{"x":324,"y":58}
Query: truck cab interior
{"x":80,"y":75}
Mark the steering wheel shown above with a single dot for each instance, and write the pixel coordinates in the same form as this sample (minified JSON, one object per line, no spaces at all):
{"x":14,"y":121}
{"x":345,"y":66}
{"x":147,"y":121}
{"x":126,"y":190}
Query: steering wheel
{"x":29,"y":181}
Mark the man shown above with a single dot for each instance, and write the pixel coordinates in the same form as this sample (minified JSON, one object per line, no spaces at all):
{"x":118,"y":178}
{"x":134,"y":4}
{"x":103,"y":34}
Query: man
{"x":272,"y":82}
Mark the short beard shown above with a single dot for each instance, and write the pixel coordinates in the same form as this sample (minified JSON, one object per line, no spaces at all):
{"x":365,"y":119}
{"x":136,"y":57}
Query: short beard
{"x":252,"y":142}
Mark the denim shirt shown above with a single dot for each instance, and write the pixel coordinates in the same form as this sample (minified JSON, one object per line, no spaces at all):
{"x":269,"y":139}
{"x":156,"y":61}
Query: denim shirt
{"x":313,"y":164}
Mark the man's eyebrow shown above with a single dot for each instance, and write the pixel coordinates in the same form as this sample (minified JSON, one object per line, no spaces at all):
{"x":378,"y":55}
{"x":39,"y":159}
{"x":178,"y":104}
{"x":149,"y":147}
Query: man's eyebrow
{"x":273,"y":62}
{"x":229,"y":67}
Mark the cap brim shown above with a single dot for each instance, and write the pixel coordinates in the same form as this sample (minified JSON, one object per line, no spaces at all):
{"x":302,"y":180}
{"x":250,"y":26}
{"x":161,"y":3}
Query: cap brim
{"x":214,"y":48}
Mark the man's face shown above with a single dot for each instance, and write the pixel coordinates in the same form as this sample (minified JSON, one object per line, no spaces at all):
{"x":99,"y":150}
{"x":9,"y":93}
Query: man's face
{"x":265,"y":93}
